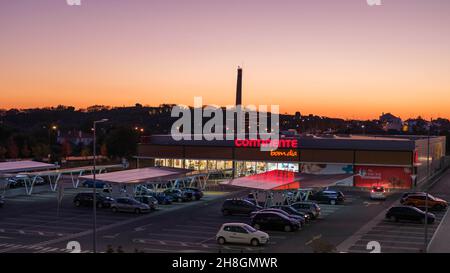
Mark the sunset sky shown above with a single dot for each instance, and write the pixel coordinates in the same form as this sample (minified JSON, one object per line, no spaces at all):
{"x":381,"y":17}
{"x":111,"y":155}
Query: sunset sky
{"x":339,"y":58}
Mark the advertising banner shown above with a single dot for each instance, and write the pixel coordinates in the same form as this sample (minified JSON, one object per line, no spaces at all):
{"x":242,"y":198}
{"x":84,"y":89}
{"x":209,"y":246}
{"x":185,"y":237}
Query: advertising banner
{"x":389,"y":177}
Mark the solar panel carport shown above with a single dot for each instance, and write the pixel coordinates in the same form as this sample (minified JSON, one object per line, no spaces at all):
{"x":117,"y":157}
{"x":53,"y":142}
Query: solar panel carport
{"x":54,"y":176}
{"x":134,"y":177}
{"x":25,"y":166}
{"x":273,"y":184}
{"x":12,"y":168}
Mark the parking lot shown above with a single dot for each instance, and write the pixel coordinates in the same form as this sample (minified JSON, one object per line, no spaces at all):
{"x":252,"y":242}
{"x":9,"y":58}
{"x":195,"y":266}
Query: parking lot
{"x":196,"y":233}
{"x":32,"y":224}
{"x":398,"y":237}
{"x":28,"y":221}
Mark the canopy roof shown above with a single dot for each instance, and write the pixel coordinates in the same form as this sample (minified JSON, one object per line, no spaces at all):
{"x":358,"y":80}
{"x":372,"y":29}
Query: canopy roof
{"x":136,"y":176}
{"x":272,"y":180}
{"x":72,"y":170}
{"x":286,"y":180}
{"x":24,"y":166}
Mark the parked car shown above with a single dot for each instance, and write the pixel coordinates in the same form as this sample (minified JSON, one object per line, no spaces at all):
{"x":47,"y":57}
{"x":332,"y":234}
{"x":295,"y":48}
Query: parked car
{"x":419,"y":200}
{"x":411,"y":192}
{"x":328,"y":196}
{"x":300,"y":219}
{"x":142,"y":190}
{"x":310,"y":208}
{"x":149,"y":200}
{"x":378,"y":193}
{"x":87,"y":199}
{"x":179,"y":195}
{"x":2,"y":201}
{"x":409,"y":213}
{"x":251,"y":198}
{"x":240,"y":233}
{"x":127,"y":204}
{"x":90,"y":184}
{"x":274,"y":221}
{"x":239,"y":206}
{"x":19,"y":180}
{"x":161,"y":197}
{"x":197,"y":194}
{"x":291,"y":210}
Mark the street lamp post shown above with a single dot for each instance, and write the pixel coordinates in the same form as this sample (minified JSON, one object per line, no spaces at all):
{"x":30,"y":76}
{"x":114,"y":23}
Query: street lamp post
{"x":94,"y":198}
{"x":426,"y":188}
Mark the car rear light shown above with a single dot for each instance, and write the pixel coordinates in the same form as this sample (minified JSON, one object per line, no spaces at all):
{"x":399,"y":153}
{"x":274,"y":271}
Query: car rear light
{"x":372,"y":191}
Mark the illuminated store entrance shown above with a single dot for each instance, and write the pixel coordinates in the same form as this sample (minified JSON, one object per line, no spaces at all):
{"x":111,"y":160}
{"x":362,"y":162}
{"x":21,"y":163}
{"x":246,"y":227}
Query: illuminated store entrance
{"x":242,"y":168}
{"x":245,"y":168}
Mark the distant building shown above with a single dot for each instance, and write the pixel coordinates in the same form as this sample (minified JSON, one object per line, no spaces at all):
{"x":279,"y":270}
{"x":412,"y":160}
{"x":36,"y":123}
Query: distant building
{"x":391,"y":122}
{"x":417,"y":125}
{"x":75,"y":137}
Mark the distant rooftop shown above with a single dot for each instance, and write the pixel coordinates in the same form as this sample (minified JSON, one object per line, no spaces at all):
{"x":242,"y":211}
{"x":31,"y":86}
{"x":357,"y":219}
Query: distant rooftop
{"x":353,"y":142}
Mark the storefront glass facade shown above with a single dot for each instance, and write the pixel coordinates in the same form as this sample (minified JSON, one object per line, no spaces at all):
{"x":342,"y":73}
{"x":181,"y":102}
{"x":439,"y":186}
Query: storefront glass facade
{"x":243,"y":168}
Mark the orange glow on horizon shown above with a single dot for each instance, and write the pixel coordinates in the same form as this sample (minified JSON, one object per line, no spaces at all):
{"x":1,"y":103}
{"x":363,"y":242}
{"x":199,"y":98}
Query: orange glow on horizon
{"x":330,"y":58}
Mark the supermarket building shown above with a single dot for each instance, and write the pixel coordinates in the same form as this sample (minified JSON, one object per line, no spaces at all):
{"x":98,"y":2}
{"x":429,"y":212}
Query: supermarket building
{"x":391,"y":161}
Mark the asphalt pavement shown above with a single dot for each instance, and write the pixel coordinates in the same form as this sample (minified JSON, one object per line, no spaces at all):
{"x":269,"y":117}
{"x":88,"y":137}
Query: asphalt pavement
{"x":34,"y":224}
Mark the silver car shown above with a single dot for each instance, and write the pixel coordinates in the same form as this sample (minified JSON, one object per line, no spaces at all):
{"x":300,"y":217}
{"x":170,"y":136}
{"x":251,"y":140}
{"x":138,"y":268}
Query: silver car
{"x":127,"y":204}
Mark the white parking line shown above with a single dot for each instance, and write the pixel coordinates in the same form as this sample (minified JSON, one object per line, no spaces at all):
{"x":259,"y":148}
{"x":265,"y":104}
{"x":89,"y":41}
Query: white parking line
{"x":390,"y":247}
{"x":393,"y":243}
{"x":188,"y":231}
{"x":381,"y":235}
{"x":402,"y":224}
{"x":199,"y":227}
{"x":170,"y":243}
{"x":418,"y":233}
{"x":175,"y":236}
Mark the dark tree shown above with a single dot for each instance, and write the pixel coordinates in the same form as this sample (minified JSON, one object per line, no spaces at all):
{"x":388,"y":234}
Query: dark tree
{"x":122,"y":142}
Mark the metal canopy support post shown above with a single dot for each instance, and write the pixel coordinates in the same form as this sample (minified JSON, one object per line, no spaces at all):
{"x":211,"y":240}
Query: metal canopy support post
{"x":29,"y":184}
{"x":54,"y":186}
{"x":76,"y":182}
{"x":192,"y":181}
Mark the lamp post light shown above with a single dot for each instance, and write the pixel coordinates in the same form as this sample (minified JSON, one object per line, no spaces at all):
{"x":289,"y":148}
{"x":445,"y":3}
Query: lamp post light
{"x":426,"y":188}
{"x":94,"y":198}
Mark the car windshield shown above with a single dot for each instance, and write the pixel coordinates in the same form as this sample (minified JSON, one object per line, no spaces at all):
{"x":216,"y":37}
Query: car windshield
{"x":431,"y":197}
{"x":416,"y":209}
{"x":249,"y":229}
{"x":280,"y":211}
{"x":378,"y":189}
{"x":290,"y":209}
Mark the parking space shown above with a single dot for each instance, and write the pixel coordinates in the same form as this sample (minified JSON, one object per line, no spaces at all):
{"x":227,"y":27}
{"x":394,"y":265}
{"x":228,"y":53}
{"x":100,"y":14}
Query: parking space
{"x":398,"y":237}
{"x":197,"y":234}
{"x":186,"y":227}
{"x":29,"y":220}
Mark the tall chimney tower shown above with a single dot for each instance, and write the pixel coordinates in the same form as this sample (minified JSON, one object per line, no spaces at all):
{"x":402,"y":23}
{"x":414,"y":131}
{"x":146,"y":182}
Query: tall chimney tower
{"x":239,"y":87}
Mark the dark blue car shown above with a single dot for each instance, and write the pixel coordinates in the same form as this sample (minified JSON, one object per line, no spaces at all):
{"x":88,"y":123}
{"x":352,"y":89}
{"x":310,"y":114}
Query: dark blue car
{"x":197,"y":194}
{"x":90,"y":184}
{"x":162,"y":198}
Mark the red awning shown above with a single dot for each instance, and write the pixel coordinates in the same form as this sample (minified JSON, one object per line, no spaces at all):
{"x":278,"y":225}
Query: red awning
{"x":286,"y":180}
{"x":272,"y":180}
